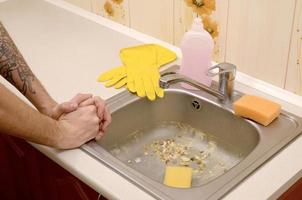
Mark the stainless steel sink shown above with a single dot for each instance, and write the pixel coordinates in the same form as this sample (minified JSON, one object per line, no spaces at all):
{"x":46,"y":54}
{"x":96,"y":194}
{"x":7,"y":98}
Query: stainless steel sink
{"x":233,"y":146}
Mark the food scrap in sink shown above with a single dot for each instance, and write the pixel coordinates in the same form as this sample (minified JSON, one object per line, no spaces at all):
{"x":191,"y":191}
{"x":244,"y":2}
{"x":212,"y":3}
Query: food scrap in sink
{"x":151,"y":149}
{"x":174,"y":153}
{"x":189,"y":149}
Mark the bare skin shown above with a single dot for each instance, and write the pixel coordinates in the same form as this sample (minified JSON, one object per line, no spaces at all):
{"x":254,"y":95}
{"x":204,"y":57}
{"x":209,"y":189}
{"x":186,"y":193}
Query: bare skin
{"x":65,"y":125}
{"x":70,"y":131}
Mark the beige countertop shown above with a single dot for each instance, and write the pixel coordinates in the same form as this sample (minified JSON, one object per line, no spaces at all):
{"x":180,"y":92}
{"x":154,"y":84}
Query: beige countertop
{"x":67,"y":48}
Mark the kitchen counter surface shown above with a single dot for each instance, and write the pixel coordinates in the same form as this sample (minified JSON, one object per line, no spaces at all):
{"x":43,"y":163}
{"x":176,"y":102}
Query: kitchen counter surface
{"x":67,"y":48}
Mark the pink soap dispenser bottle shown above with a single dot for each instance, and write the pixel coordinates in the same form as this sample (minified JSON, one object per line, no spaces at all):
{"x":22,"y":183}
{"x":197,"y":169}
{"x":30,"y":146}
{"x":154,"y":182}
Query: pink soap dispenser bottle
{"x":196,"y":47}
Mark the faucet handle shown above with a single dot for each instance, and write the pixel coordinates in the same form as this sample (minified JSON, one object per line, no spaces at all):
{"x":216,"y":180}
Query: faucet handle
{"x":225,"y":68}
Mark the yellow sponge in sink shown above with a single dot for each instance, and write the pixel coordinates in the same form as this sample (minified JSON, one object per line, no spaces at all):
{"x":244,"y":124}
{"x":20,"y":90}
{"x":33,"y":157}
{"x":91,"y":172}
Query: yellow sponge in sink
{"x":256,"y":108}
{"x":179,"y":177}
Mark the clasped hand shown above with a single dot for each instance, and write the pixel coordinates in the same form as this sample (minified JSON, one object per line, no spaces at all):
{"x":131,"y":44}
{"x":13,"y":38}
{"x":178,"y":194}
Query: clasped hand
{"x":79,"y":120}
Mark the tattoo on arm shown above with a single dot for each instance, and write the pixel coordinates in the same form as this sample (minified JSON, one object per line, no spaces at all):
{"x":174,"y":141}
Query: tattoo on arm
{"x":13,"y":67}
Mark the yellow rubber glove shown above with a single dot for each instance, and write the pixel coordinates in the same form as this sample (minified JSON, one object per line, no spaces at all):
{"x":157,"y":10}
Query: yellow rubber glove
{"x":142,"y":71}
{"x":117,"y":77}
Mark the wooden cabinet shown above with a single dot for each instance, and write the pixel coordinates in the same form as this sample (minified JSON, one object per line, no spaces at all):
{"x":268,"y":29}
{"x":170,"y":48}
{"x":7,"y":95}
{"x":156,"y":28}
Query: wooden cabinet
{"x":25,"y":173}
{"x":294,"y":192}
{"x":18,"y":171}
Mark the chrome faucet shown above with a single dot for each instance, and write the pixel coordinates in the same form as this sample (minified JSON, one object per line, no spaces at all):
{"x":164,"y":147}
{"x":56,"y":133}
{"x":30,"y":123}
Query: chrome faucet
{"x":226,"y":72}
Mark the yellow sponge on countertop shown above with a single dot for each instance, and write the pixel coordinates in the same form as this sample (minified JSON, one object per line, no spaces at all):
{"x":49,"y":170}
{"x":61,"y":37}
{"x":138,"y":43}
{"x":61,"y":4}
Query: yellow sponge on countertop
{"x":179,"y":177}
{"x":256,"y":108}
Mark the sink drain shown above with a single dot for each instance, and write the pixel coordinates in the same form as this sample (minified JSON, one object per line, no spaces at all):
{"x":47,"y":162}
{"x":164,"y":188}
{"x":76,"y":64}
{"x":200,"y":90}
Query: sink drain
{"x":196,"y":105}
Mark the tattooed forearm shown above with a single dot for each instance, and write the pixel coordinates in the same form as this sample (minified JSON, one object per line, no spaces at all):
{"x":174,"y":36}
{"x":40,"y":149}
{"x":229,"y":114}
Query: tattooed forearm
{"x":12,"y":64}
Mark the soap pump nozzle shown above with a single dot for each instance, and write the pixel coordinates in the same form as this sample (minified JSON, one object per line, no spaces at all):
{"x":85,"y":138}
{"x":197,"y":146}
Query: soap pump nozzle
{"x":197,"y":25}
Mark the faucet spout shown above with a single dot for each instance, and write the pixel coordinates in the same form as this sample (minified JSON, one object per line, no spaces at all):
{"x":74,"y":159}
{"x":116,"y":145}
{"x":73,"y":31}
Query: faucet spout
{"x":226,"y":74}
{"x":169,"y":79}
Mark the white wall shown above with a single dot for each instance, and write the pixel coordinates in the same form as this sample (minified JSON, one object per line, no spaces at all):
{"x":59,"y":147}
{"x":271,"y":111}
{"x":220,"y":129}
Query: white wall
{"x":263,"y":38}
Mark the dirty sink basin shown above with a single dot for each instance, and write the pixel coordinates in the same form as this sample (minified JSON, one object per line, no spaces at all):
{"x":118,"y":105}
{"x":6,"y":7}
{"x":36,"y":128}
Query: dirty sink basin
{"x":197,"y":124}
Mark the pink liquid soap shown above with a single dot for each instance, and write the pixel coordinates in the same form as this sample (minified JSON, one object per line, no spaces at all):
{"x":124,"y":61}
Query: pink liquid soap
{"x":196,"y":47}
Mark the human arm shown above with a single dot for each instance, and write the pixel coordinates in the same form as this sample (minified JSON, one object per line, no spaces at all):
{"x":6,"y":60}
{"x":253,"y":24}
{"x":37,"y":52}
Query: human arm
{"x":14,"y":68}
{"x":70,"y":131}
